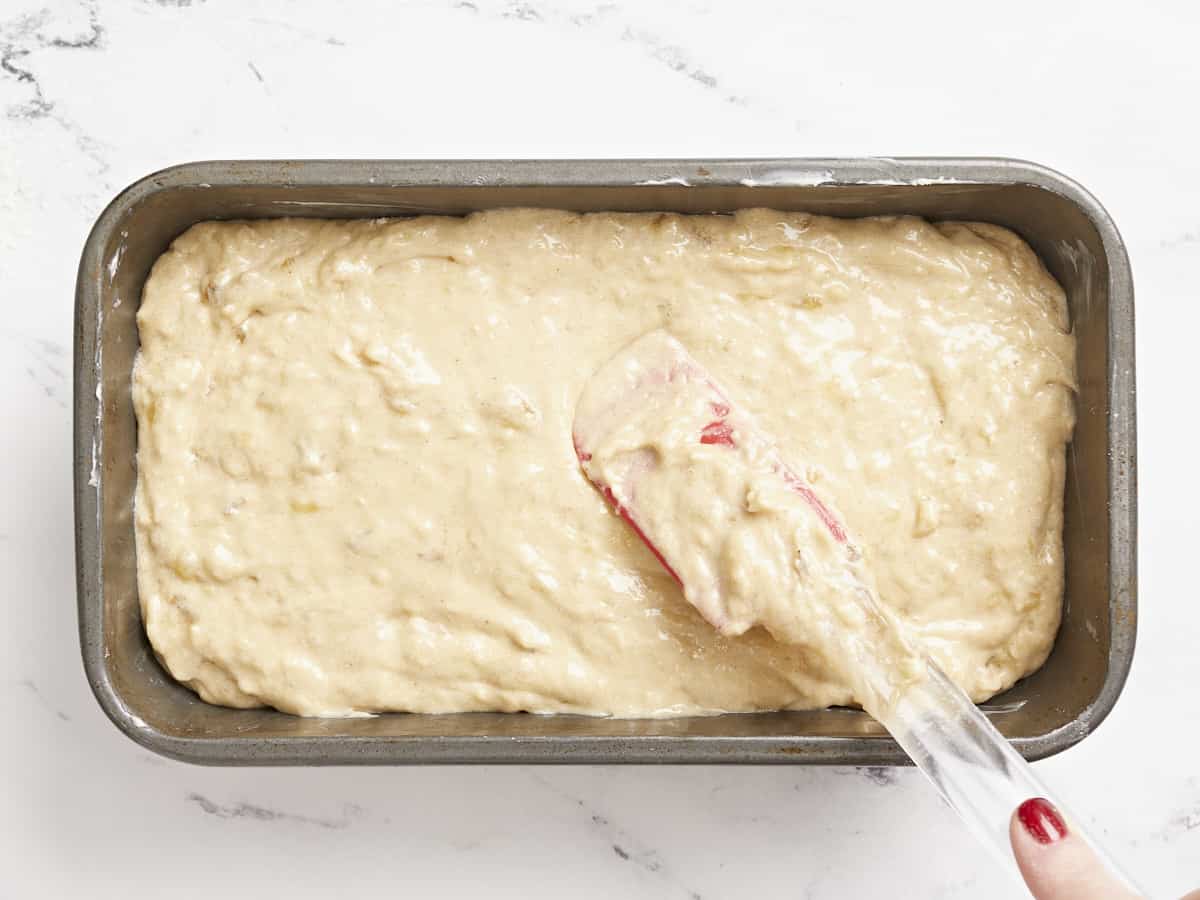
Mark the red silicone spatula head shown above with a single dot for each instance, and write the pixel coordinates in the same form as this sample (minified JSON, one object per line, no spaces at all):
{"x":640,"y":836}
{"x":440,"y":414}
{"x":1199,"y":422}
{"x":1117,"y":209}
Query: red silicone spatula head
{"x":704,"y":486}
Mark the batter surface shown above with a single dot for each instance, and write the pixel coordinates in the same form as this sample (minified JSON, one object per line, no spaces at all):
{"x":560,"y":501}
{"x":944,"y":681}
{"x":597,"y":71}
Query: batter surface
{"x":357,"y":487}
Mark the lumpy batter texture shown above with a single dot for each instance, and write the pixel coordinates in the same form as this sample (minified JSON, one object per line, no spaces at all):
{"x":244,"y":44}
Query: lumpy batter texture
{"x":357,"y":488}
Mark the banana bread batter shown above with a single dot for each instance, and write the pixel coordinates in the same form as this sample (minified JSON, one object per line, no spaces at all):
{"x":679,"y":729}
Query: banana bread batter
{"x":358,"y":492}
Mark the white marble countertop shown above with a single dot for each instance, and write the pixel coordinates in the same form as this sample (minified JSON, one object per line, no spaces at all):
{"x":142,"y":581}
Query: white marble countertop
{"x":95,"y":94}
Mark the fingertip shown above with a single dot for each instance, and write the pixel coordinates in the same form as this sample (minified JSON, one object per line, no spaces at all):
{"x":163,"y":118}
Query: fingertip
{"x":1055,"y":863}
{"x":1032,"y":835}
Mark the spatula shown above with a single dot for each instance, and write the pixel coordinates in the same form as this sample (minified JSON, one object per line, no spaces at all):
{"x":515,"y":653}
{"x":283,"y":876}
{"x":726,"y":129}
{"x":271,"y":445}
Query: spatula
{"x":751,"y":541}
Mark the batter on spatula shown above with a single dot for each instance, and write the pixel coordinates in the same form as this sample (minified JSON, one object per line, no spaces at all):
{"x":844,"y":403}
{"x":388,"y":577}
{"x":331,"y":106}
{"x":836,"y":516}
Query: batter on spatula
{"x":744,"y":533}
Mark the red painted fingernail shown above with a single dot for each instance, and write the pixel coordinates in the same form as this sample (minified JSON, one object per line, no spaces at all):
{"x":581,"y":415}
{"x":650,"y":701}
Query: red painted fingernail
{"x":1041,"y":821}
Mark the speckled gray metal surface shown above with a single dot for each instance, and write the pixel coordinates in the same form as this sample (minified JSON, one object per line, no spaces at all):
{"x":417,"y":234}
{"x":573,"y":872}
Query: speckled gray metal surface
{"x":1047,"y":712}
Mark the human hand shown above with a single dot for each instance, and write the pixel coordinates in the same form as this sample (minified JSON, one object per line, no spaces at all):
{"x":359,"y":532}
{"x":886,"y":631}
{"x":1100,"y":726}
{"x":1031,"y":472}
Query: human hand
{"x":1059,"y":865}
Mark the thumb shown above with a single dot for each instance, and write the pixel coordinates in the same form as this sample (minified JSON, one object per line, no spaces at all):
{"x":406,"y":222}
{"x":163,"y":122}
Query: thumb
{"x":1056,"y":864}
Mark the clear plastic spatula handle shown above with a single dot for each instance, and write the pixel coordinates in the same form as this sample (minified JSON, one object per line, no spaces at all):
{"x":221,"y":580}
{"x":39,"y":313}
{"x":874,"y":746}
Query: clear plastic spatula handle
{"x":972,"y":766}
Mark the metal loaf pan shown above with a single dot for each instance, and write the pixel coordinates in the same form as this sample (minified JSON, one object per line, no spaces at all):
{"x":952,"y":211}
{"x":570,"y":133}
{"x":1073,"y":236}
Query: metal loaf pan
{"x":1049,"y":711}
